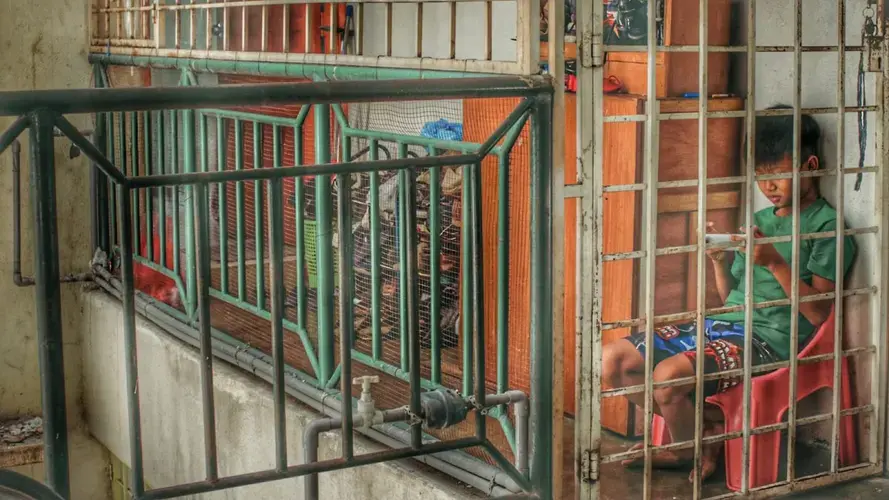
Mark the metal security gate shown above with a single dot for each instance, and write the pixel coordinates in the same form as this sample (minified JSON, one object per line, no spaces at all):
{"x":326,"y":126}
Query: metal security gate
{"x":870,"y":299}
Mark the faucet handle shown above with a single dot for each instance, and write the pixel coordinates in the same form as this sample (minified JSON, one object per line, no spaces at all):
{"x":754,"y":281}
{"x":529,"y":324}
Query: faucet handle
{"x":366,"y":381}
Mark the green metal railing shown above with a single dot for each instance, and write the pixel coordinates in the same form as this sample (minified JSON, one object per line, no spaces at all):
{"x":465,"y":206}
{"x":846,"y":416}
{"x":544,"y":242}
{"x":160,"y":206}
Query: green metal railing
{"x":170,"y":159}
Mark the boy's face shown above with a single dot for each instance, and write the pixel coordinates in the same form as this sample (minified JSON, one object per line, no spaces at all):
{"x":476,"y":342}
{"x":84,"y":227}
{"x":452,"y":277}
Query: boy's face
{"x":780,"y":191}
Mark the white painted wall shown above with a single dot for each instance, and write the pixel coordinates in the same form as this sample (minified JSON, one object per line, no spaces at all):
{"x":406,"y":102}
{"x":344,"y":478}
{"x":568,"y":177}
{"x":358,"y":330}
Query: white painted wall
{"x":172,"y":427}
{"x":43,"y":45}
{"x":774,"y":84}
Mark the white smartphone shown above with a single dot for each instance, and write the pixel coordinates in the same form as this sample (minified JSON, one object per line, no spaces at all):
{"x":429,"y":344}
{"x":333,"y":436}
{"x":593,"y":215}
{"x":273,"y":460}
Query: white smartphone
{"x":721,"y":238}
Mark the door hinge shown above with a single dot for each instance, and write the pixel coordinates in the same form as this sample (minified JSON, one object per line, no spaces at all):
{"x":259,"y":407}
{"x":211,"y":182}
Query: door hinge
{"x":592,"y":53}
{"x":589,"y":466}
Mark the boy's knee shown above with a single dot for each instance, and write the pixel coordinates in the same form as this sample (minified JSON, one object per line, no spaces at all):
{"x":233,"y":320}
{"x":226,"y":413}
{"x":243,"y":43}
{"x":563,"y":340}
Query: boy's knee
{"x":672,"y":369}
{"x":613,"y":361}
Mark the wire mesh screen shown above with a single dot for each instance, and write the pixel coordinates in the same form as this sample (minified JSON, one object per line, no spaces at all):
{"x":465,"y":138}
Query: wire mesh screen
{"x":240,"y":234}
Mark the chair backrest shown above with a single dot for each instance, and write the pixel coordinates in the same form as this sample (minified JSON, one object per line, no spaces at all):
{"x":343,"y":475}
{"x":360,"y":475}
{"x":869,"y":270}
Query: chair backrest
{"x":821,"y":342}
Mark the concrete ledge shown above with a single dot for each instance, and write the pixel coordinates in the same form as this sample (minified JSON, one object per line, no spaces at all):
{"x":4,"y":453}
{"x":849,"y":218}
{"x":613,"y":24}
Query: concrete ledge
{"x":169,"y":386}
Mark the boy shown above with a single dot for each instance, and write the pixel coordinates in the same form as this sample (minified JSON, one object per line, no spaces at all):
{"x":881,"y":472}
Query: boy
{"x":674,"y":345}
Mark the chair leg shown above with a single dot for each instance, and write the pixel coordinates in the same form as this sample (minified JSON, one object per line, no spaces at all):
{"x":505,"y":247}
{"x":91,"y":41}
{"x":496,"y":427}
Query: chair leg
{"x":765,"y":449}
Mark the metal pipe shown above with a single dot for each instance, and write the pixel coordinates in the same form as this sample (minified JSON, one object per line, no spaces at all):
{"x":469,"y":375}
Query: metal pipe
{"x":48,"y":310}
{"x":15,"y":103}
{"x":320,"y":169}
{"x":9,"y":136}
{"x":701,"y":256}
{"x":401,"y":238}
{"x":520,"y":402}
{"x":276,"y":234}
{"x":17,"y":277}
{"x":412,"y":303}
{"x":474,"y":172}
{"x":795,"y":241}
{"x":346,"y":304}
{"x":316,"y":427}
{"x":750,"y":165}
{"x":435,"y":271}
{"x":376,"y":298}
{"x":203,"y":280}
{"x":460,"y":466}
{"x":839,"y":203}
{"x":650,"y":177}
{"x":541,"y":297}
{"x":323,"y":244}
{"x":258,"y":225}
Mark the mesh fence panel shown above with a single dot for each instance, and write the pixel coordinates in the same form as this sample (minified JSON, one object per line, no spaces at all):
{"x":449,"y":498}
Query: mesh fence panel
{"x":267,"y":137}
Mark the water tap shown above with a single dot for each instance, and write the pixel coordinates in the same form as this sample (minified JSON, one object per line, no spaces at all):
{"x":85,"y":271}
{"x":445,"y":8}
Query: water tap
{"x":366,"y":404}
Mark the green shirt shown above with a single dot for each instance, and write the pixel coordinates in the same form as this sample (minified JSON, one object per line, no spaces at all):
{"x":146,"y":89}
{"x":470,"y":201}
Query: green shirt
{"x":817,"y":256}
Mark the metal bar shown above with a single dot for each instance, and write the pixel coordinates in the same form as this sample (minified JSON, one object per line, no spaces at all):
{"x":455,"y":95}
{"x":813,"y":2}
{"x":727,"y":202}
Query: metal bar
{"x":750,"y":166}
{"x":305,"y":469}
{"x":478,"y":294}
{"x":541,"y":297}
{"x":278,"y":295}
{"x":401,"y":237}
{"x":258,"y":225}
{"x":137,"y":483}
{"x":147,"y":131}
{"x":703,"y":102}
{"x":299,"y":208}
{"x":412,"y":301}
{"x":285,"y":29}
{"x":737,"y":114}
{"x":346,"y":303}
{"x":48,"y":307}
{"x":264,"y":29}
{"x":13,"y":132}
{"x":161,"y":168}
{"x":795,"y":242}
{"x":221,"y":161}
{"x":503,"y":273}
{"x":435,"y":270}
{"x":324,"y":244}
{"x":839,"y":203}
{"x":466,"y":294}
{"x":769,"y":239}
{"x":177,"y":206}
{"x":189,"y":165}
{"x":766,"y":429}
{"x":650,"y":177}
{"x":241,"y":232}
{"x":244,"y":29}
{"x":202,"y":208}
{"x":635,"y":389}
{"x":376,"y":298}
{"x":91,"y":151}
{"x":668,"y":318}
{"x":15,"y":103}
{"x":305,"y":67}
{"x":588,"y":356}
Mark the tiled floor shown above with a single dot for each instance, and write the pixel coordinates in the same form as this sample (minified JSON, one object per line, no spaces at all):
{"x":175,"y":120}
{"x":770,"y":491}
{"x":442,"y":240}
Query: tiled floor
{"x":619,"y":483}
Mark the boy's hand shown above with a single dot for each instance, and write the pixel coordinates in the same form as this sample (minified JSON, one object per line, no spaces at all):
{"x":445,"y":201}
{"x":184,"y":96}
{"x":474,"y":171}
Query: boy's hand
{"x":764,"y":254}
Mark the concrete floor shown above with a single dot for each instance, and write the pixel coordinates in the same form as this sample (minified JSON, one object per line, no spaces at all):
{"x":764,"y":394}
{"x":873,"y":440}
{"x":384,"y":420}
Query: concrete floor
{"x":620,"y":483}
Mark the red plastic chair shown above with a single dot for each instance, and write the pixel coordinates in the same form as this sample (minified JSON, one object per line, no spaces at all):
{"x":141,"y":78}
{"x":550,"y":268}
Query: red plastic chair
{"x":768,"y":403}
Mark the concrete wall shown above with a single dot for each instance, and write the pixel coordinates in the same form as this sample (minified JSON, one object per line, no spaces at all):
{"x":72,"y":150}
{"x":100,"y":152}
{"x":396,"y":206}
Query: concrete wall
{"x":774,"y":84}
{"x":172,"y":425}
{"x":43,"y":44}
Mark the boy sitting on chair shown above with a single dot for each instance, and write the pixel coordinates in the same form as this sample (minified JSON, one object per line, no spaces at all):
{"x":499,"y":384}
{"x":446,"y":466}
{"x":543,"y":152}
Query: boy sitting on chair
{"x":674,"y":345}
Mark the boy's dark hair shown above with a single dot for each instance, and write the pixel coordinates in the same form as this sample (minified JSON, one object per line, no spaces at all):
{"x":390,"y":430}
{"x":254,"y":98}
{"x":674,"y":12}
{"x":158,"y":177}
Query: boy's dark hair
{"x":774,"y":137}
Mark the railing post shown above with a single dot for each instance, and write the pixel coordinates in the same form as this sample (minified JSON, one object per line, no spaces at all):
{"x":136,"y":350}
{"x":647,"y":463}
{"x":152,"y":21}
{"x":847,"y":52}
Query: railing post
{"x":324,"y":245}
{"x":541,"y":298}
{"x":49,"y":307}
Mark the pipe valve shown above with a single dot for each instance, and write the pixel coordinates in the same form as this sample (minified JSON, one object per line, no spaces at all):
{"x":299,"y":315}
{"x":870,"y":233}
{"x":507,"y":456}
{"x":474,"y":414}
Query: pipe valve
{"x":366,"y":404}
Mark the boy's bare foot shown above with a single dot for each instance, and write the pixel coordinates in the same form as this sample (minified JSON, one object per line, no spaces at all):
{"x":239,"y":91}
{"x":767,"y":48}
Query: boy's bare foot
{"x":660,"y":459}
{"x":710,"y":457}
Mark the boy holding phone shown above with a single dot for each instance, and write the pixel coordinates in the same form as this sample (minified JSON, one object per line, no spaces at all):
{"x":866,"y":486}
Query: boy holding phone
{"x":674,"y":348}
